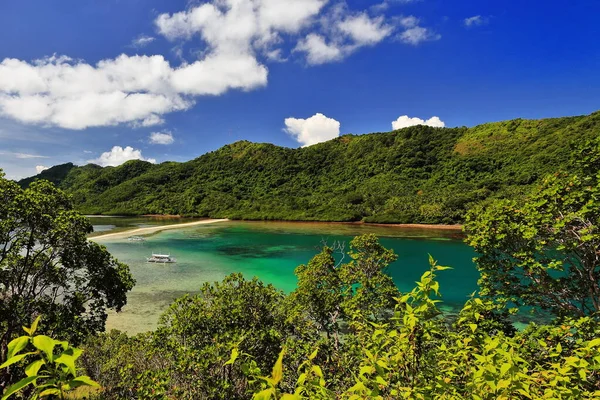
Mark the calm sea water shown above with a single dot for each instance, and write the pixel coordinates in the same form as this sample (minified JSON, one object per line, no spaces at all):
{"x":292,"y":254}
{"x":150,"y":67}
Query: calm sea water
{"x":270,"y":251}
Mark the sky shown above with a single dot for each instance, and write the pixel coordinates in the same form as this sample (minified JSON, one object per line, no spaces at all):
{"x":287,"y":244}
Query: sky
{"x":105,"y":81}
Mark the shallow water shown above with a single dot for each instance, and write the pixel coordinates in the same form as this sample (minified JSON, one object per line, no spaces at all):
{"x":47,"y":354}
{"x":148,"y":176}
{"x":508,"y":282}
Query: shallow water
{"x":270,"y":251}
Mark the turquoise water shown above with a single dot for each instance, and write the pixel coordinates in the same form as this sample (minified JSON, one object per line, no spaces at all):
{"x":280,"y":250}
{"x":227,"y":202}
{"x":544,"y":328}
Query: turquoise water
{"x":270,"y":251}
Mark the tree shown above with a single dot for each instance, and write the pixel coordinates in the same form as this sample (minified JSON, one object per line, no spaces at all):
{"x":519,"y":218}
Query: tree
{"x":48,"y":267}
{"x":319,"y":294}
{"x":227,"y":312}
{"x":545,"y":251}
{"x":369,"y":290}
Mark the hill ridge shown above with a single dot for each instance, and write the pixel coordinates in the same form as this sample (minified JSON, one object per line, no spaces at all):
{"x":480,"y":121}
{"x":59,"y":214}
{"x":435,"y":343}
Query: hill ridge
{"x":418,"y":174}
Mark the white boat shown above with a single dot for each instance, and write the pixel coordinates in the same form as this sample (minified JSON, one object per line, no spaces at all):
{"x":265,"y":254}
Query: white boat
{"x":161,"y":258}
{"x":136,"y":239}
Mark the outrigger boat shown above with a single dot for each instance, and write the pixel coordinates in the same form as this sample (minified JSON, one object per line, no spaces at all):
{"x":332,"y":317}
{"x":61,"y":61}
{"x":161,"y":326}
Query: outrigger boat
{"x":161,"y":258}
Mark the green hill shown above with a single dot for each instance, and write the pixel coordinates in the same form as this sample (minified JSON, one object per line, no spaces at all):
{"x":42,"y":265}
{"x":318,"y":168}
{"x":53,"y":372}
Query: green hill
{"x":417,"y":174}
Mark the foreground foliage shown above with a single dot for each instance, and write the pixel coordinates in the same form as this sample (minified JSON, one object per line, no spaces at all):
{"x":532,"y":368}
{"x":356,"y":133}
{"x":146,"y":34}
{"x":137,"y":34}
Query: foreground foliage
{"x":271,"y":349}
{"x":417,"y":353}
{"x":417,"y":174}
{"x":48,"y":267}
{"x":52,"y":374}
{"x":544,"y":252}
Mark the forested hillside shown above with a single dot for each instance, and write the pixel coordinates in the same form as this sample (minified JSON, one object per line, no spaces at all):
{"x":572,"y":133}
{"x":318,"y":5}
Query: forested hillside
{"x":418,"y":174}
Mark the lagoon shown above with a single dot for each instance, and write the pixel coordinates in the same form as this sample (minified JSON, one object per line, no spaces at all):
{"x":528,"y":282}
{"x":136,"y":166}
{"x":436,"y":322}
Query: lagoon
{"x":271,"y":251}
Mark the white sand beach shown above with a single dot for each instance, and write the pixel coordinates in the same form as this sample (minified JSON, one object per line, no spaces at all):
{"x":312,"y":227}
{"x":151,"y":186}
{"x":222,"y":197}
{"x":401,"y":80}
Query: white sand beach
{"x":154,"y":229}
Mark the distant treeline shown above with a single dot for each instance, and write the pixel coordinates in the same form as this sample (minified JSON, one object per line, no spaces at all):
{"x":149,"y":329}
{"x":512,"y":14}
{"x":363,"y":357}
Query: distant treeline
{"x":414,"y":175}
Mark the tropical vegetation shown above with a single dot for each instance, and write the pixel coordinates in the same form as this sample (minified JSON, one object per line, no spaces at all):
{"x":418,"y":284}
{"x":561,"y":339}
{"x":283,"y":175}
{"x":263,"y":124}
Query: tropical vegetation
{"x":345,"y":332}
{"x":414,"y":175}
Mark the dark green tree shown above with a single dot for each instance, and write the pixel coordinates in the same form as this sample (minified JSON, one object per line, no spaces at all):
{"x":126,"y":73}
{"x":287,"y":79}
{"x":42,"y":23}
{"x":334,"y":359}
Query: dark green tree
{"x":545,"y":252}
{"x":369,"y":290}
{"x":319,"y":295}
{"x":227,"y":312}
{"x":49,"y":268}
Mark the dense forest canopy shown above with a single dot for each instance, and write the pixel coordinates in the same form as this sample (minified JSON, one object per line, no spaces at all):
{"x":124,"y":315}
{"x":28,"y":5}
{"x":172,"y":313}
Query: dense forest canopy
{"x":414,"y":175}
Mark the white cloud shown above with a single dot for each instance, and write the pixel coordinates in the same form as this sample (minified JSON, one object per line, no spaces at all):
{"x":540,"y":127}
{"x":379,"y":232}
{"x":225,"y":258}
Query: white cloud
{"x":365,"y":30}
{"x":161,"y":138}
{"x":142,"y":41}
{"x":237,"y":36}
{"x":317,"y":51}
{"x":476,"y":20}
{"x":118,"y":155}
{"x":315,"y":129}
{"x":21,"y":155}
{"x":347,"y":32}
{"x":405,"y":121}
{"x":59,"y":92}
{"x":385,"y":4}
{"x":417,"y":35}
{"x":40,"y":168}
{"x":409,"y":22}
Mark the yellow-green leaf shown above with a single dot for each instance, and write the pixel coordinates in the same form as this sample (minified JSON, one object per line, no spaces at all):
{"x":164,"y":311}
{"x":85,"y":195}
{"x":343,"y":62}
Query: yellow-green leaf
{"x":18,"y":386}
{"x":45,"y":344}
{"x":34,"y":325}
{"x":288,"y":396}
{"x":14,"y":359}
{"x":277,"y":373}
{"x":17,"y":345}
{"x":48,"y":392}
{"x":264,"y":394}
{"x":33,"y":368}
{"x":234,"y":355}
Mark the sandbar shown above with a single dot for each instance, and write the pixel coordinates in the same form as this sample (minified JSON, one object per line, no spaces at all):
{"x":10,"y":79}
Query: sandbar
{"x":154,"y":229}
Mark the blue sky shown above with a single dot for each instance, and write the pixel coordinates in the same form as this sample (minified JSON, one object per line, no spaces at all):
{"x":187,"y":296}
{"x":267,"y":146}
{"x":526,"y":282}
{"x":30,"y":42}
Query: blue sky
{"x":111,"y":80}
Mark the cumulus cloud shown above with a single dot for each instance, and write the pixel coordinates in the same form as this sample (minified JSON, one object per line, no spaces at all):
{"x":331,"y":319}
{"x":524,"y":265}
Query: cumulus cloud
{"x":347,"y":32}
{"x":315,"y":129}
{"x":118,"y":155}
{"x":142,"y":41}
{"x":476,"y":20}
{"x":238,"y":38}
{"x":40,"y":168}
{"x":318,"y":51}
{"x":161,"y":138}
{"x":405,"y":121}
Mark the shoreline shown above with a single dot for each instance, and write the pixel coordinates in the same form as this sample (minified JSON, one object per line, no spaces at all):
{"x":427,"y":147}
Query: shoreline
{"x":153,"y":229}
{"x":439,"y":227}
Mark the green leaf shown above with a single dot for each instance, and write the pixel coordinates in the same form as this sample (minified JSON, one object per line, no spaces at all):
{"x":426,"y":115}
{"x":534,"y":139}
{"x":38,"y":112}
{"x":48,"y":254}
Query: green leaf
{"x":264,"y":395}
{"x":317,"y":370}
{"x":313,"y":354}
{"x":234,"y":355}
{"x":33,"y":368}
{"x":277,"y":373}
{"x":15,"y":359}
{"x":18,"y":386}
{"x":45,"y":344}
{"x":49,"y":392}
{"x":17,"y":345}
{"x":83,"y":380}
{"x":34,"y":326}
{"x":68,"y":361}
{"x":288,"y":396}
{"x":594,"y":343}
